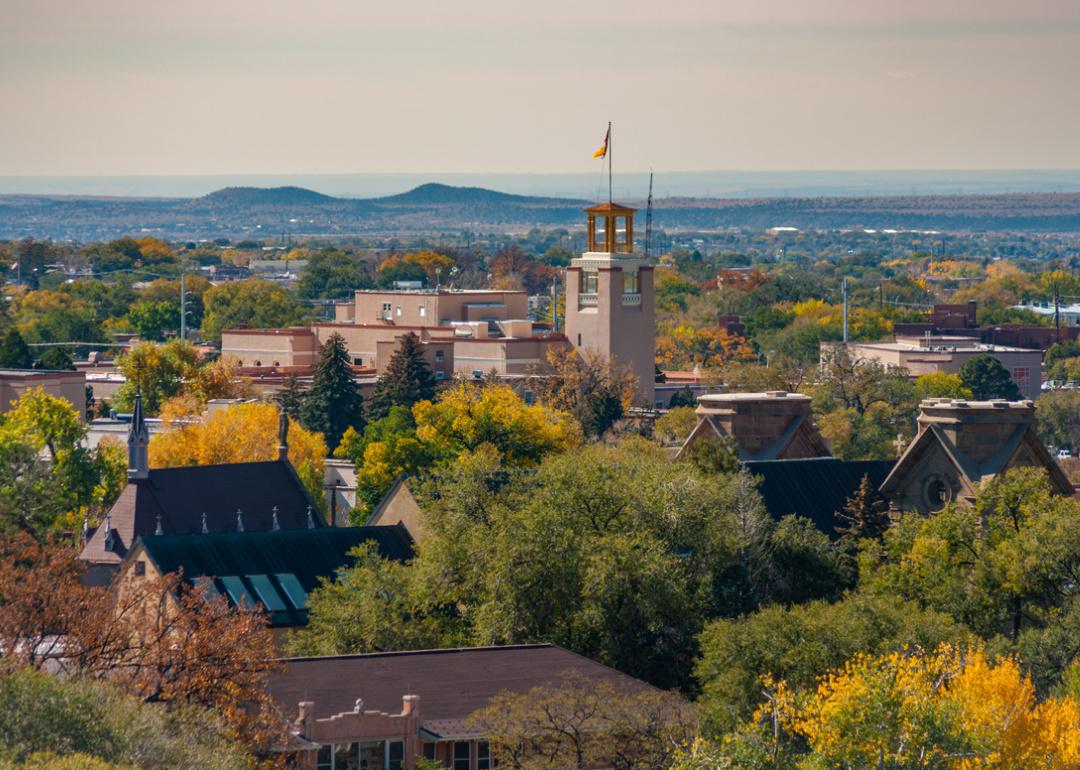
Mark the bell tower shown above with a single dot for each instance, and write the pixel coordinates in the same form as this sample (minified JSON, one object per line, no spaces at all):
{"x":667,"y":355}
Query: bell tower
{"x":609,"y":297}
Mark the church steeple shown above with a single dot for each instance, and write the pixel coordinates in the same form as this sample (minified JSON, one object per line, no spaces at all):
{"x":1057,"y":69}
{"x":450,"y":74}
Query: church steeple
{"x":138,"y":443}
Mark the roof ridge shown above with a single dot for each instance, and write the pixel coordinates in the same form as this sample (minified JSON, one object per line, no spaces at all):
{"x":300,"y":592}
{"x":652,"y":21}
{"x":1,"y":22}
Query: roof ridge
{"x":428,"y":651}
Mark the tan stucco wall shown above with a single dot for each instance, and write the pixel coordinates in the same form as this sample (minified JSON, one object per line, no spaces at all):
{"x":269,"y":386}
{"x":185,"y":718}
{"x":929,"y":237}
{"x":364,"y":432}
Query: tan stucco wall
{"x":70,"y":386}
{"x":270,"y":347}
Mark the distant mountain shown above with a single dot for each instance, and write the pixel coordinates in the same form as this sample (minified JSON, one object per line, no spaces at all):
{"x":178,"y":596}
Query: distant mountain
{"x":263,"y":196}
{"x":434,"y":194}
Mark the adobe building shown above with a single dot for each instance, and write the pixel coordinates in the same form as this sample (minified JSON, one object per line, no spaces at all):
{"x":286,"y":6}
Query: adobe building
{"x":609,"y":297}
{"x":926,"y":355}
{"x":389,"y":709}
{"x":460,"y":331}
{"x":961,"y":445}
{"x":70,"y":386}
{"x":774,"y":425}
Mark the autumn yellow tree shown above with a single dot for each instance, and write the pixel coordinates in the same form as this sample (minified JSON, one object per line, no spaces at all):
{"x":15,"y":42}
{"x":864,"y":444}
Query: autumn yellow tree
{"x":685,"y":346}
{"x":951,"y":708}
{"x":468,"y":416}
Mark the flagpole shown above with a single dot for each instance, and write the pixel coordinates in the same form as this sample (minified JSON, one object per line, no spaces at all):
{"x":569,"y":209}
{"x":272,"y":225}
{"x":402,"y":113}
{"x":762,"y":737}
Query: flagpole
{"x":609,"y":163}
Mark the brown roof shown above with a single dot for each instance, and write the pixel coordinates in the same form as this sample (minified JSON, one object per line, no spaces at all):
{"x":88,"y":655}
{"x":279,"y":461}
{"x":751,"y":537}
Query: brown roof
{"x":451,"y":683}
{"x":603,"y":208}
{"x":181,"y":495}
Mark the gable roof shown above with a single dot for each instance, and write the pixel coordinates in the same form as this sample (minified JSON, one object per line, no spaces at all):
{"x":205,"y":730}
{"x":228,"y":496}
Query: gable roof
{"x":816,"y":488}
{"x":309,"y":555}
{"x":1022,"y":441}
{"x":180,"y":496}
{"x":451,"y":683}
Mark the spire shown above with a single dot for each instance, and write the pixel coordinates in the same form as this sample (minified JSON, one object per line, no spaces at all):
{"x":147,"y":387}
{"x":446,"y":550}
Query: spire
{"x":86,"y":527}
{"x":109,"y":540}
{"x":158,"y":530}
{"x":138,"y":442}
{"x":205,"y":531}
{"x":310,"y":519}
{"x":283,"y":436}
{"x":274,"y":525}
{"x":239,"y":520}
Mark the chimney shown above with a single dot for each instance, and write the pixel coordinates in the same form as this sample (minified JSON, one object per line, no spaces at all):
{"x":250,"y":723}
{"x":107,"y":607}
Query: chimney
{"x":978,"y":429}
{"x":138,"y":443}
{"x":410,"y":705}
{"x":774,"y":425}
{"x":305,"y":718}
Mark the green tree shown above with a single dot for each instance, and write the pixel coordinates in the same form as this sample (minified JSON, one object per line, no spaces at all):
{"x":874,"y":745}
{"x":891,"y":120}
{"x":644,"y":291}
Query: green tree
{"x":987,"y":378}
{"x":291,"y":397}
{"x":1059,"y":419}
{"x":155,"y":320}
{"x":14,"y":352}
{"x":250,"y":304}
{"x":333,"y":404}
{"x":407,"y":379}
{"x":157,"y":371}
{"x":56,"y":359}
{"x":332,"y":274}
{"x":865,"y":516}
{"x":941,"y":385}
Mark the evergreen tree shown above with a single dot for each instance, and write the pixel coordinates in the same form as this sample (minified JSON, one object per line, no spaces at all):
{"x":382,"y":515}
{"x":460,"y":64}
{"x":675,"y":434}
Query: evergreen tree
{"x":14,"y":352}
{"x":56,"y":359}
{"x":986,"y":378}
{"x":291,"y":397}
{"x":864,"y":516}
{"x":333,"y":404}
{"x":406,"y":381}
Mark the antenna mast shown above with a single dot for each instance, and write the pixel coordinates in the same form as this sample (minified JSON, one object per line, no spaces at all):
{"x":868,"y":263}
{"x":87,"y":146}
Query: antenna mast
{"x":648,"y":221}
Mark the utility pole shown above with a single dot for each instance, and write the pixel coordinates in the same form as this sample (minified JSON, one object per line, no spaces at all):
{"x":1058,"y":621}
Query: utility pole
{"x":845,"y":289}
{"x":1057,"y":310}
{"x":554,"y":306}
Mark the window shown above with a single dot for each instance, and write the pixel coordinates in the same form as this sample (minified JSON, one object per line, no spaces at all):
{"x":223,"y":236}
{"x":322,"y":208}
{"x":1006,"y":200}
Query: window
{"x":483,"y":756}
{"x":579,"y":340}
{"x":396,"y":755}
{"x":630,"y":282}
{"x":325,"y":759}
{"x":258,"y":363}
{"x":276,"y":364}
{"x":439,"y":356}
{"x":345,"y":756}
{"x":590,"y":283}
{"x":423,"y":311}
{"x":397,"y":310}
{"x":462,"y":755}
{"x":386,"y":308}
{"x":1020,"y":376}
{"x":371,"y":755}
{"x":429,"y":751}
{"x":358,"y":361}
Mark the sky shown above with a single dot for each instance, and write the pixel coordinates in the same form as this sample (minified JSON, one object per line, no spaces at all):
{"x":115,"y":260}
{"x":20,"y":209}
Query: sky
{"x":151,"y":87}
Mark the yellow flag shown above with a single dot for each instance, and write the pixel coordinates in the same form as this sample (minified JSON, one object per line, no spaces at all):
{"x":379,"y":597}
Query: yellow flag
{"x":602,"y":152}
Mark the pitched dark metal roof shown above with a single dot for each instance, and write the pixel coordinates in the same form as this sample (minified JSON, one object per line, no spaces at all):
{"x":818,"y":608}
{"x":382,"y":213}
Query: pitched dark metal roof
{"x":309,"y":555}
{"x":451,"y":683}
{"x":181,"y":496}
{"x":816,"y":488}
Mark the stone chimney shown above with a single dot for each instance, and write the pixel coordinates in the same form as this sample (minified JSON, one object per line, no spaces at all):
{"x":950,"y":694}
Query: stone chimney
{"x":774,"y":425}
{"x":977,"y":429}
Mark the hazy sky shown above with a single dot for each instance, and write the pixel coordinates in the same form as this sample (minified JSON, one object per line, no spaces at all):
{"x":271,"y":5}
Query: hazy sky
{"x":328,"y":86}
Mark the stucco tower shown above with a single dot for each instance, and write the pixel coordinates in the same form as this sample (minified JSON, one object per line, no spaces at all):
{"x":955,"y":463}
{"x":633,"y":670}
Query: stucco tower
{"x":609,"y":297}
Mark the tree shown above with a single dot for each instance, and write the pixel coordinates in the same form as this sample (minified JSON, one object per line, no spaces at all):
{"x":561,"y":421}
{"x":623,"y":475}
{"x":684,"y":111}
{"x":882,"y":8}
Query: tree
{"x":49,"y":722}
{"x":865,"y":515}
{"x":1059,"y":419}
{"x":676,"y":425}
{"x":333,"y":403}
{"x":56,"y":359}
{"x":157,"y":639}
{"x":941,"y":385}
{"x":591,"y":387}
{"x":14,"y":352}
{"x":407,"y":379}
{"x":715,"y":454}
{"x":580,"y":723}
{"x":291,"y":397}
{"x":250,"y":304}
{"x":951,"y":708}
{"x":156,"y":371}
{"x":155,"y":320}
{"x":799,"y":644}
{"x":467,"y":416}
{"x":986,"y":378}
{"x":331,"y":274}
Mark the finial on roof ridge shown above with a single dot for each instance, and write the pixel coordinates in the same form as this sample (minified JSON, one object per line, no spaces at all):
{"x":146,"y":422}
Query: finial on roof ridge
{"x":239,"y":520}
{"x":310,"y":519}
{"x":157,"y":527}
{"x":274,"y":525}
{"x":205,"y":530}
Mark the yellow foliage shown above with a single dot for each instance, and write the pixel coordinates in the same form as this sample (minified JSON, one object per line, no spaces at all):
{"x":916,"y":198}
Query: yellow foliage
{"x":237,"y":434}
{"x":687,"y":346}
{"x":952,"y":707}
{"x":467,"y":416}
